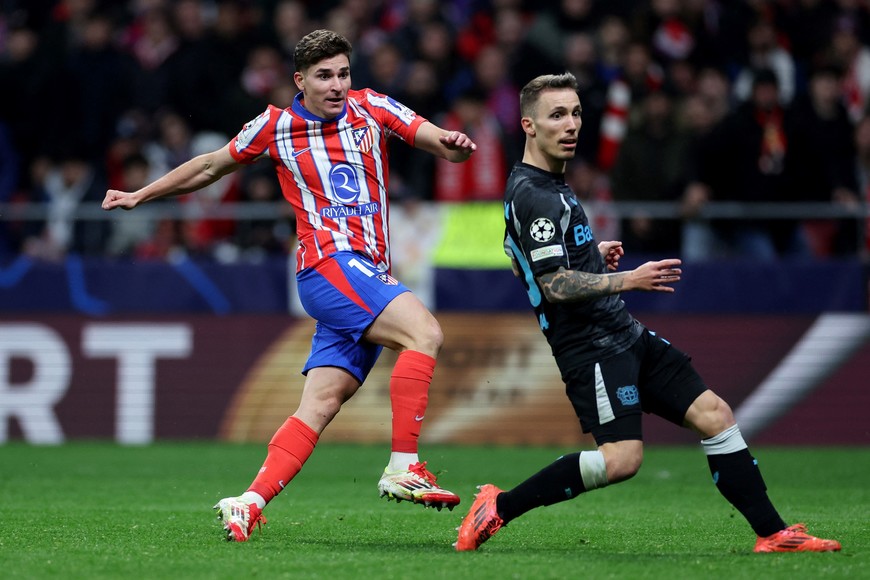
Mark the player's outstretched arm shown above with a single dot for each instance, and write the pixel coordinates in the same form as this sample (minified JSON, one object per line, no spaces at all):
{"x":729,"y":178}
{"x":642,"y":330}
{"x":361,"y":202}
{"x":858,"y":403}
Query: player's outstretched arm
{"x":575,"y":286}
{"x":195,"y":174}
{"x":453,"y":146}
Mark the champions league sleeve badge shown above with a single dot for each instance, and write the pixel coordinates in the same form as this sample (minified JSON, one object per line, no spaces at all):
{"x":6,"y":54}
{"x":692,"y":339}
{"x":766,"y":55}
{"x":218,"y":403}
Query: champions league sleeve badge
{"x":542,"y":230}
{"x":251,"y":129}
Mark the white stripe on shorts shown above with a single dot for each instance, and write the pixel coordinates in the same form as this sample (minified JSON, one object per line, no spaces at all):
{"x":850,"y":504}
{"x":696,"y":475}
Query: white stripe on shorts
{"x":605,"y":411}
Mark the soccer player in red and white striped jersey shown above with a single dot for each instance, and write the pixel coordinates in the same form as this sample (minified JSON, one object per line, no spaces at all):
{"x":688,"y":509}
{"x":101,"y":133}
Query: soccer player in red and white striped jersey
{"x":333,"y":170}
{"x":329,"y":150}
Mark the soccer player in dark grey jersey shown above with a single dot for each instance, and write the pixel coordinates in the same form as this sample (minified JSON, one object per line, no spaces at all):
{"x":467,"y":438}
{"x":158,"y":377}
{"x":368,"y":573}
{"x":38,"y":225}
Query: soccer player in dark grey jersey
{"x":548,"y":234}
{"x":615,"y":369}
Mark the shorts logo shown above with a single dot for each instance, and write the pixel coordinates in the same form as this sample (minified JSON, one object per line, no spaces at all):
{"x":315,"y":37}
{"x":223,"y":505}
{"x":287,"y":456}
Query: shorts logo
{"x":628,"y":395}
{"x":387,"y":279}
{"x":542,"y":230}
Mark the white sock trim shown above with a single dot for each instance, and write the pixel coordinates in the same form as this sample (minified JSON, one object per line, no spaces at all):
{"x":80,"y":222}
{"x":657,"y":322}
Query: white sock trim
{"x":728,"y":441}
{"x":250,"y":497}
{"x":593,"y":470}
{"x":400,"y":461}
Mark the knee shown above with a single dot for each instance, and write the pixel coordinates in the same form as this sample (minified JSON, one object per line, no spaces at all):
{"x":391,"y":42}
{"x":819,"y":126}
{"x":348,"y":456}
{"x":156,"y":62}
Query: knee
{"x":429,"y":337}
{"x":329,"y":405}
{"x":622,"y":463}
{"x":709,"y":415}
{"x":623,"y":468}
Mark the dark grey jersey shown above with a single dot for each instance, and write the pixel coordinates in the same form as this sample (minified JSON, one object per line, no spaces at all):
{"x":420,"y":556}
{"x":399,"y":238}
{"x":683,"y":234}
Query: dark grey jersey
{"x":546,"y":228}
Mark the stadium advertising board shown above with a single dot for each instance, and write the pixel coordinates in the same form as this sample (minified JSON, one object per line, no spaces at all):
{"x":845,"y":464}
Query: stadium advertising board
{"x":791,"y":380}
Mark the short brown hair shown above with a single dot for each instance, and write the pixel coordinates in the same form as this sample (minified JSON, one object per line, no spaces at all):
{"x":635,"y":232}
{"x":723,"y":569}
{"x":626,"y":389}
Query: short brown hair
{"x":318,"y":45}
{"x":533,"y":89}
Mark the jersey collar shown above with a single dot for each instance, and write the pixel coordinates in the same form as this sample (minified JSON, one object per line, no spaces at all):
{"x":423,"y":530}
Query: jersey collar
{"x":300,"y":110}
{"x":556,"y":176}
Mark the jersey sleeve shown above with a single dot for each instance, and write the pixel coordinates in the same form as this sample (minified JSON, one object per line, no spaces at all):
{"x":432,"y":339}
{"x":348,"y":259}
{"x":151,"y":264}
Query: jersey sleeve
{"x":536,"y":232}
{"x":252,"y":142}
{"x":393,"y":115}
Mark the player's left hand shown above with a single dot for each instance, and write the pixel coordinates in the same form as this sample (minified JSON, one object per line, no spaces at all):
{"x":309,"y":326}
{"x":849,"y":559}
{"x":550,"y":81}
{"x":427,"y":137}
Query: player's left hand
{"x":611,"y":252}
{"x":123,"y":199}
{"x":459,"y":142}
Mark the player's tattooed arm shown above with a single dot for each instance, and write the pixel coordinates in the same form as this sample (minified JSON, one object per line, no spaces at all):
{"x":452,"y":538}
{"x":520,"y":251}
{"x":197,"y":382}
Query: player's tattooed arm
{"x":576,"y":286}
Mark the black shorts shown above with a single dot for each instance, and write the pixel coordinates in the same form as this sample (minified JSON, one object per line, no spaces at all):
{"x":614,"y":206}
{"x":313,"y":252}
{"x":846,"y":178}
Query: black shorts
{"x":651,"y":376}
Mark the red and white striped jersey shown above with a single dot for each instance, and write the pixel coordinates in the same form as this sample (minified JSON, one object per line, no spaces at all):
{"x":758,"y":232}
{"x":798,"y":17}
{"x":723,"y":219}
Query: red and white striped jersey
{"x":334,"y":171}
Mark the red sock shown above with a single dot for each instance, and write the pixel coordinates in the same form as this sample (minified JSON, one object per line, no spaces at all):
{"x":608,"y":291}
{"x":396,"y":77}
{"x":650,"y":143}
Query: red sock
{"x":409,"y":395}
{"x":289,"y":449}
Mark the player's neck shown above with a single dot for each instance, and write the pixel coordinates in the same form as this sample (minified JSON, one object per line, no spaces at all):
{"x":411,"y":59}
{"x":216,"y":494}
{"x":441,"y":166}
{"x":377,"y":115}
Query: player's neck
{"x":536,"y":158}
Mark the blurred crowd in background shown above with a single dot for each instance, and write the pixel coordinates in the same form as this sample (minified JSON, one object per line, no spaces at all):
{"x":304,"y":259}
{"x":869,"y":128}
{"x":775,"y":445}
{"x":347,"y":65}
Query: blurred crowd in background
{"x":684,"y":101}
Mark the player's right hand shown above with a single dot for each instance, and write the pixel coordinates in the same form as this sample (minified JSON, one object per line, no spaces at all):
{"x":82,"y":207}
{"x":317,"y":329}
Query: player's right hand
{"x":122,"y":199}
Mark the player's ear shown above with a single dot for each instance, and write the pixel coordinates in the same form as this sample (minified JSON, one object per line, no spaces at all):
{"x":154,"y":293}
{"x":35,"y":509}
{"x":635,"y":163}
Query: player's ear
{"x":528,"y":126}
{"x":299,"y":80}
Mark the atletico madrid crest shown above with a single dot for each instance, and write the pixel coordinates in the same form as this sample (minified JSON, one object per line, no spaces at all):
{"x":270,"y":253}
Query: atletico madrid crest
{"x":363,"y":138}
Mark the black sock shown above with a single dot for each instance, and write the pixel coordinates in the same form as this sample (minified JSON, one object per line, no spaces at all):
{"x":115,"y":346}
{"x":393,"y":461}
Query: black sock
{"x":739,"y":480}
{"x":557,"y":482}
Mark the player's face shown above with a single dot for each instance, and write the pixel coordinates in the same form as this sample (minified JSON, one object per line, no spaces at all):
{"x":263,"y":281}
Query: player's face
{"x":554,"y":127}
{"x":325,"y":85}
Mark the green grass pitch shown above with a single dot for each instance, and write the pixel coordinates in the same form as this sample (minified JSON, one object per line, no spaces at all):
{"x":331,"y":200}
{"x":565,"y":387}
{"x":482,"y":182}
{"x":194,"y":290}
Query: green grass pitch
{"x":98,"y":510}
